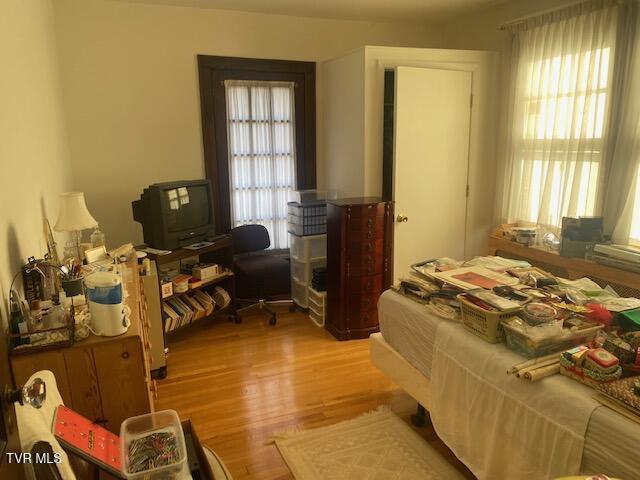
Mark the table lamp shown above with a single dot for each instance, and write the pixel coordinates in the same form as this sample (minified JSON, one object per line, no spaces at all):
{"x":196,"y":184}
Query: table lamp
{"x":74,"y":216}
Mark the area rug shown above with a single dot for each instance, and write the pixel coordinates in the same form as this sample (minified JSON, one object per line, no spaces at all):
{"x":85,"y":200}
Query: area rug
{"x":375,"y":446}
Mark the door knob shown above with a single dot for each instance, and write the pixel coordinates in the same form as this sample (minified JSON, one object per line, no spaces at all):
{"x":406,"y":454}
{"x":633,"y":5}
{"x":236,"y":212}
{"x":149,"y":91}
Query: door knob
{"x":402,"y":218}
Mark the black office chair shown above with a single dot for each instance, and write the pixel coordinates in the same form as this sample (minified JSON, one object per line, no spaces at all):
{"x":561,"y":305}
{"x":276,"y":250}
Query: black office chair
{"x":260,"y":276}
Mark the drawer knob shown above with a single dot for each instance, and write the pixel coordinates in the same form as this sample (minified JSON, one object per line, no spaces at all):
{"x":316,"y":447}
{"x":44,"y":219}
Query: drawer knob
{"x":125,"y":355}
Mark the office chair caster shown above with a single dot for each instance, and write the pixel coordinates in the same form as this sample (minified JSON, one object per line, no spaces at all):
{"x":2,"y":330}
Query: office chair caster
{"x":272,"y":320}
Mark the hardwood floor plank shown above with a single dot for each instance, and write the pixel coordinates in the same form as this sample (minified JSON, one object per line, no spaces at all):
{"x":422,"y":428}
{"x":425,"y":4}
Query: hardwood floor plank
{"x":240,"y":384}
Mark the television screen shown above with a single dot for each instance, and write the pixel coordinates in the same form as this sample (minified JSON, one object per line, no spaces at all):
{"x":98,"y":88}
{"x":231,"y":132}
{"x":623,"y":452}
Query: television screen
{"x":175,"y":214}
{"x":187,"y":207}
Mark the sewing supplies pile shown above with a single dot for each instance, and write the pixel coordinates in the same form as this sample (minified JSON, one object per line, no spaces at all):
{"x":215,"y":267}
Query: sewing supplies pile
{"x":574,"y":328}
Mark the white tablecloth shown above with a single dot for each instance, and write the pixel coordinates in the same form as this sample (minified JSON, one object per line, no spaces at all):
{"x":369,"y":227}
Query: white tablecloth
{"x":498,"y":425}
{"x":611,"y":440}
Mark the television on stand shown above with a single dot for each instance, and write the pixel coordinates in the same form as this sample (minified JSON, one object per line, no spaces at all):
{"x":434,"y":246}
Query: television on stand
{"x":175,"y":214}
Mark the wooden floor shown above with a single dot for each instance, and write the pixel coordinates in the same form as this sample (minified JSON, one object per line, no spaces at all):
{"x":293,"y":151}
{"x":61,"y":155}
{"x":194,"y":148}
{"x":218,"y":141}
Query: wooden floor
{"x":240,"y":383}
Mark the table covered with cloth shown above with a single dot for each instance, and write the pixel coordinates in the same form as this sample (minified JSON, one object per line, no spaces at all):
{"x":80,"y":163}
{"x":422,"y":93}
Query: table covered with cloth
{"x":502,"y":427}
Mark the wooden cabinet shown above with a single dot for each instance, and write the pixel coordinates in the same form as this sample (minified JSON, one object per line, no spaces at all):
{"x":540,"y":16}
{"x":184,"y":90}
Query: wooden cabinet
{"x":359,"y":264}
{"x":105,"y":379}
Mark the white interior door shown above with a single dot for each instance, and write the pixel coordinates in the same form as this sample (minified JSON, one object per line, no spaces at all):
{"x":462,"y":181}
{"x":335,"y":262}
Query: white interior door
{"x":431,"y":159}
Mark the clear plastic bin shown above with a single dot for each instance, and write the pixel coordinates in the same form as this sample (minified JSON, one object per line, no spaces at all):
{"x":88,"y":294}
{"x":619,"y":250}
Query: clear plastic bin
{"x":299,"y":293}
{"x":158,"y":422}
{"x":316,"y":318}
{"x":319,"y":298}
{"x":531,"y":347}
{"x":308,"y":248}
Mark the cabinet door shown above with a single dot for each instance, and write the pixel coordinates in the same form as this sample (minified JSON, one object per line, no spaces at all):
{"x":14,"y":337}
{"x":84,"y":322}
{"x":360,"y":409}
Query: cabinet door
{"x":431,"y":158}
{"x":85,"y":390}
{"x":121,"y":375}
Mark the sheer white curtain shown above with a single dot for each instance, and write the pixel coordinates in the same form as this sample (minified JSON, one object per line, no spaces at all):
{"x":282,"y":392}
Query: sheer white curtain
{"x":260,"y":117}
{"x":622,"y":193}
{"x":559,"y":102}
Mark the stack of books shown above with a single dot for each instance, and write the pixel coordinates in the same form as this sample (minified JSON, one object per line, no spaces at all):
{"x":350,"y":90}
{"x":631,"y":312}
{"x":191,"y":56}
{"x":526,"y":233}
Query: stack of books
{"x":183,"y":309}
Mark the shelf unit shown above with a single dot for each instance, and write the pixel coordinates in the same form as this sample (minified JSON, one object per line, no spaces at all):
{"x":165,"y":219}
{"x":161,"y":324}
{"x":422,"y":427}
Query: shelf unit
{"x":205,"y":283}
{"x":219,"y":252}
{"x":306,"y":253}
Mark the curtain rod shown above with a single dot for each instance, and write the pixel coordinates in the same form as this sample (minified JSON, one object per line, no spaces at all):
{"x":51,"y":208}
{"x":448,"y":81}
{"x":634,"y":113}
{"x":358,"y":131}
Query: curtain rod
{"x":539,"y":13}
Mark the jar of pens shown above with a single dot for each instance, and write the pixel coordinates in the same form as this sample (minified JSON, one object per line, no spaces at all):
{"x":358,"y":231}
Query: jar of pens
{"x":41,"y":320}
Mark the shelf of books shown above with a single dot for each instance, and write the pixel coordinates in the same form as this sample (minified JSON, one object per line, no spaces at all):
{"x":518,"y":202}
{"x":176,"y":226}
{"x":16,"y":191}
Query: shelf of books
{"x":182,"y":309}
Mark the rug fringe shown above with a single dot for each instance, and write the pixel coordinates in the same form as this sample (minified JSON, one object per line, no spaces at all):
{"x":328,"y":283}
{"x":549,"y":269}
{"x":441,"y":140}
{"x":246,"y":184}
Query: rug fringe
{"x":295,"y":429}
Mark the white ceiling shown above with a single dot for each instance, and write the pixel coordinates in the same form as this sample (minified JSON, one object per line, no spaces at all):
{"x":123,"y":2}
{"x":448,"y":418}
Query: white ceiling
{"x":413,"y":11}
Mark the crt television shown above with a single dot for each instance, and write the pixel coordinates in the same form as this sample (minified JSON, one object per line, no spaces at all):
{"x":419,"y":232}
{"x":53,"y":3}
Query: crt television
{"x":175,"y":214}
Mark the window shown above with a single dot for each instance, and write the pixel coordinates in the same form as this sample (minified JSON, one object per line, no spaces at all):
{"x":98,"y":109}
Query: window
{"x":564,"y":109}
{"x":258,"y":128}
{"x":562,"y":66}
{"x":261,"y":131}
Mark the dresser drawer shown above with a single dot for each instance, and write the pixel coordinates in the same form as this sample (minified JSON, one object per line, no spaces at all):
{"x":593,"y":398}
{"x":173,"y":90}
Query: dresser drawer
{"x":360,"y":319}
{"x":364,"y":264}
{"x":365,"y":234}
{"x":361,"y":302}
{"x":364,"y":284}
{"x":366,"y":210}
{"x":361,"y":246}
{"x":366,"y":223}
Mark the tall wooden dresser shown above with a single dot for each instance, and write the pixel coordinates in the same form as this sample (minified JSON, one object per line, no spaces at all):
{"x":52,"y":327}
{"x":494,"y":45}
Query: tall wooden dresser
{"x":359,"y":264}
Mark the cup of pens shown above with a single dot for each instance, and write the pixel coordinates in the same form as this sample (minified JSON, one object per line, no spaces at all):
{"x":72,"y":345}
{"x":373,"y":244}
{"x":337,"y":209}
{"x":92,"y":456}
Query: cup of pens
{"x":72,"y":286}
{"x":153,"y":447}
{"x":72,"y":280}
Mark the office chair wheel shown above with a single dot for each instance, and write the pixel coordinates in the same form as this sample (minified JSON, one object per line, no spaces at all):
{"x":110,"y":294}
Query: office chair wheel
{"x":272,"y":320}
{"x":292,"y":307}
{"x":237,"y":319}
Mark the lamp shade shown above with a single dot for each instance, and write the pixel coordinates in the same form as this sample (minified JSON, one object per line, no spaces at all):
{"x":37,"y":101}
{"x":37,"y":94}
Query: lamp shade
{"x":73,"y":214}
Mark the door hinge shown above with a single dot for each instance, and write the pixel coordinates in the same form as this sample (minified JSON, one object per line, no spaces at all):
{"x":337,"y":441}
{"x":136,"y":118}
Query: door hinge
{"x":467,"y":192}
{"x":471,"y":100}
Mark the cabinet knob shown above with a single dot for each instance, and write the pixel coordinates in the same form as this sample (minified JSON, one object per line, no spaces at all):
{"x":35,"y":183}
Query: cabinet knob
{"x":125,"y":355}
{"x":402,"y":218}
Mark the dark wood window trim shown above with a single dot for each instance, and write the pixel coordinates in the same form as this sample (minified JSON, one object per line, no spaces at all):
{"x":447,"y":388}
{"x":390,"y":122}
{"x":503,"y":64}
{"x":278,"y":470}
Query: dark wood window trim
{"x":213,"y":71}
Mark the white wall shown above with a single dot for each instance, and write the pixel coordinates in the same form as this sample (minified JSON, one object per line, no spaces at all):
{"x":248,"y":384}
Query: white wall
{"x":34,"y":164}
{"x":343,"y":109}
{"x":480,"y":30}
{"x":33,"y":145}
{"x":131,"y":88}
